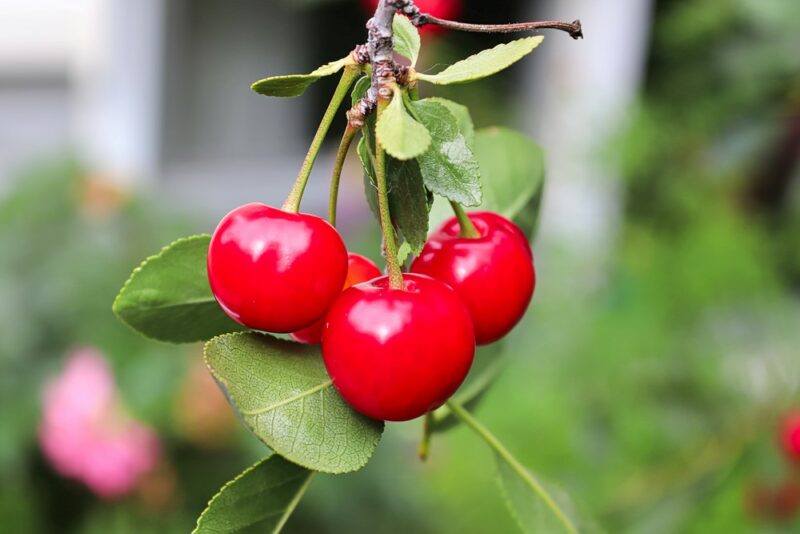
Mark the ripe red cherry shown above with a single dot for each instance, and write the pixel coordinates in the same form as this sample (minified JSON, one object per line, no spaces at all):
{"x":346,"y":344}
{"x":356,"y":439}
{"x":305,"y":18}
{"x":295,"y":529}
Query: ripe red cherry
{"x":274,"y":270}
{"x":359,"y":269}
{"x":396,"y":354}
{"x":493,"y":274}
{"x":790,"y":435}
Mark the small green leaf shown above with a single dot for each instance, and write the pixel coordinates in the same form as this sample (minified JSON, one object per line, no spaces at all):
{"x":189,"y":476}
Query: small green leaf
{"x":404,"y":251}
{"x":260,"y":499}
{"x":287,"y":400}
{"x":168,"y":297}
{"x":484,"y":63}
{"x":296,"y":84}
{"x":537,"y":507}
{"x":406,"y":38}
{"x":462,"y":115}
{"x":449,"y":168}
{"x":408,"y":199}
{"x":398,"y":133}
{"x":360,"y":89}
{"x":512,"y":176}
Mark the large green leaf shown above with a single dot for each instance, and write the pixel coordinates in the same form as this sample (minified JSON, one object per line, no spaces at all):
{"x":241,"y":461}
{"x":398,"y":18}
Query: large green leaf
{"x":406,"y":38}
{"x":449,"y":167}
{"x":484,"y":63}
{"x":296,"y":84}
{"x":286,"y":398}
{"x":399,"y":133}
{"x":168,"y":297}
{"x":408,"y":199}
{"x":260,"y":499}
{"x":512,"y":176}
{"x":536,"y":506}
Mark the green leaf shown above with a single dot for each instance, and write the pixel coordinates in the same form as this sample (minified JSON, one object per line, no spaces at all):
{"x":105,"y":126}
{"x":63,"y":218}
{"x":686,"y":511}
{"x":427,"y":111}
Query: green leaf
{"x":408,"y":199}
{"x":512,"y":176}
{"x":360,"y":89}
{"x":406,"y":38}
{"x":490,"y":360}
{"x":287,"y":400}
{"x":168,"y":297}
{"x":484,"y":63}
{"x":462,"y":115}
{"x":398,"y":133}
{"x":449,"y":167}
{"x":535,"y":506}
{"x":260,"y":499}
{"x":296,"y":84}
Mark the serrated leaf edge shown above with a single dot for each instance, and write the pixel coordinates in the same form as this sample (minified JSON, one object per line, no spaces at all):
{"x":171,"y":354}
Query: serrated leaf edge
{"x":232,"y":398}
{"x":142,"y":265}
{"x":433,"y":100}
{"x":286,"y":513}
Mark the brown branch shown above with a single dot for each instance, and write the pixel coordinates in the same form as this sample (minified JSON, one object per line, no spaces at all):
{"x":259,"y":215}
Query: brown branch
{"x":573,"y":28}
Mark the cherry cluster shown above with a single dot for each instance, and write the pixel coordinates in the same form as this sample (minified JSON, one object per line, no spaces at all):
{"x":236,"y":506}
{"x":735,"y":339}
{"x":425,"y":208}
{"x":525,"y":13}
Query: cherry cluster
{"x":393,"y":353}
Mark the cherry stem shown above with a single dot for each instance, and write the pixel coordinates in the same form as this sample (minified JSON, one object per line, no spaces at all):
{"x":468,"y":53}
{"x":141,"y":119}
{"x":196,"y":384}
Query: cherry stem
{"x":351,"y":73}
{"x":524,"y":474}
{"x":573,"y":28}
{"x":468,"y":229}
{"x":425,"y":443}
{"x":341,"y":155}
{"x":389,"y":241}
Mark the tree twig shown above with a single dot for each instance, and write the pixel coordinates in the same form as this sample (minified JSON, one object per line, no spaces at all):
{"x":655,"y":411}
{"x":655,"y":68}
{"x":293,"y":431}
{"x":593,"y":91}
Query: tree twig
{"x":573,"y":28}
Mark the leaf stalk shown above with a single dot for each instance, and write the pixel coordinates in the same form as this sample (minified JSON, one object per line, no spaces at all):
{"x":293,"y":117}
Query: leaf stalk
{"x":389,"y":240}
{"x":524,"y":474}
{"x":338,"y":165}
{"x":349,"y":76}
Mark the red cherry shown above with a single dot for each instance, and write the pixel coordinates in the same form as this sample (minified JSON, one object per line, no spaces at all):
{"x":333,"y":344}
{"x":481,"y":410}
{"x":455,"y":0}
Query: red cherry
{"x":396,"y":354}
{"x":443,"y":9}
{"x":493,"y":274}
{"x":790,"y":435}
{"x":274,"y":270}
{"x":359,"y":269}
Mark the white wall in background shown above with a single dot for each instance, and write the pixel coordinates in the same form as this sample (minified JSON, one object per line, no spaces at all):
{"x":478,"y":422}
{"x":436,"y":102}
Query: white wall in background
{"x":583,"y":90}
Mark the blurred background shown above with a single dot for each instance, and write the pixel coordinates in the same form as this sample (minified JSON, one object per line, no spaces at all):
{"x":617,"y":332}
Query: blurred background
{"x":648,"y":379}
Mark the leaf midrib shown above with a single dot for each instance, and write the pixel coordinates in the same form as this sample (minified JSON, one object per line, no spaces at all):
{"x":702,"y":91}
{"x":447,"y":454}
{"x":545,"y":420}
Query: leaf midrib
{"x":294,"y":398}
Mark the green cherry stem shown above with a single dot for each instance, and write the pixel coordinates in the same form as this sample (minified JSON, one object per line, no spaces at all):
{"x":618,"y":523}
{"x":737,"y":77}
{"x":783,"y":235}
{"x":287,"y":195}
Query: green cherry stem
{"x":351,"y":73}
{"x":425,"y":443}
{"x":341,"y":155}
{"x":389,"y":241}
{"x":524,"y":474}
{"x":468,"y":229}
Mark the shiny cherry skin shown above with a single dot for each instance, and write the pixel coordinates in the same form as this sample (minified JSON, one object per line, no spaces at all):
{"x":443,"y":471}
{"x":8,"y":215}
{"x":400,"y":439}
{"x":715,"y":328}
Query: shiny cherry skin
{"x":790,"y":435}
{"x":493,"y":274}
{"x":396,"y":354}
{"x":359,"y":269}
{"x":273,"y":270}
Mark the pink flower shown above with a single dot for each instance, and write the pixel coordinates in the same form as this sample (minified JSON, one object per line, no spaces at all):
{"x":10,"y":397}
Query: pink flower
{"x":85,"y":432}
